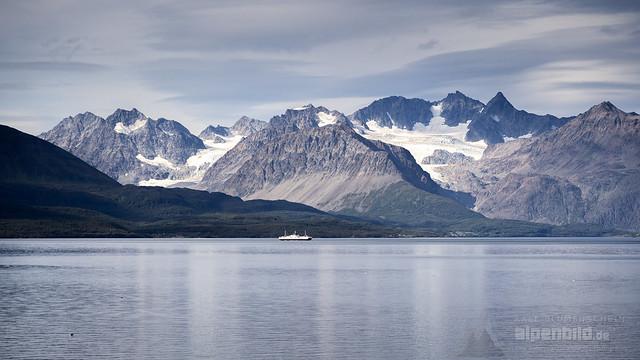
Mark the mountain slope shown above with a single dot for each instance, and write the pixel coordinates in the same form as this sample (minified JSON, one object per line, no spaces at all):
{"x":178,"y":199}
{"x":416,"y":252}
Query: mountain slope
{"x":395,"y":111}
{"x":47,"y":191}
{"x":23,"y":160}
{"x":305,"y":157}
{"x":500,"y":121}
{"x":585,"y":171}
{"x":443,"y":129}
{"x":245,"y":126}
{"x":127,"y":145}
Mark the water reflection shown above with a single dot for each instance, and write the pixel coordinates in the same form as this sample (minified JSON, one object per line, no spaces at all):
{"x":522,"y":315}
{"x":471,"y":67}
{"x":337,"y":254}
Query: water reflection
{"x":375,"y":300}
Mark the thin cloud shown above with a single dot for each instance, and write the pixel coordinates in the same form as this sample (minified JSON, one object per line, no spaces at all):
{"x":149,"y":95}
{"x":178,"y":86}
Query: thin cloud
{"x":200,"y":60}
{"x":51,"y":66}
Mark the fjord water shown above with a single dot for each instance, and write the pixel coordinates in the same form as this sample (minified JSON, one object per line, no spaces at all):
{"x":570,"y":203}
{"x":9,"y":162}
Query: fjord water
{"x":330,"y":299}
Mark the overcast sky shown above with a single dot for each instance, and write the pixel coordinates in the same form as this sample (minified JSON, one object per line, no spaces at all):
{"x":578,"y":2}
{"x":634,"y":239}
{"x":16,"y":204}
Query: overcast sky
{"x":210,"y":62}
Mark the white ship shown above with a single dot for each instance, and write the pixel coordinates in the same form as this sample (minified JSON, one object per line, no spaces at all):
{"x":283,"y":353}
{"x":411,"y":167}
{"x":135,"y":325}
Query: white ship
{"x":295,"y":237}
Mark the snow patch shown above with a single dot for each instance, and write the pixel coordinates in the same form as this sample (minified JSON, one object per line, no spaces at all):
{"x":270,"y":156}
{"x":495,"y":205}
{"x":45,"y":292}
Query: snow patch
{"x":121,"y":128}
{"x":213,"y":152}
{"x":325,"y":119}
{"x":159,"y":182}
{"x":423,"y":140}
{"x":301,"y":108}
{"x":193,"y":170}
{"x":390,"y":118}
{"x":525,"y":136}
{"x":436,"y":110}
{"x":433,"y":170}
{"x":157,"y":161}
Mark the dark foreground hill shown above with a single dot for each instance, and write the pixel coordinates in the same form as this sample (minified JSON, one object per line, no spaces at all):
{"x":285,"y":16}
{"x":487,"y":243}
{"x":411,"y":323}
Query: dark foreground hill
{"x":47,"y":192}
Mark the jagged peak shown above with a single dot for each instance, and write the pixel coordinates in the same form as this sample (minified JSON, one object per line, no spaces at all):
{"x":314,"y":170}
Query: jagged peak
{"x":126,"y":116}
{"x":499,"y":99}
{"x":245,"y":118}
{"x":211,"y":129}
{"x":303,"y":108}
{"x":392,"y":97}
{"x":125,"y":111}
{"x":458,"y":95}
{"x":247,"y":125}
{"x":605,"y":106}
{"x":82,"y":115}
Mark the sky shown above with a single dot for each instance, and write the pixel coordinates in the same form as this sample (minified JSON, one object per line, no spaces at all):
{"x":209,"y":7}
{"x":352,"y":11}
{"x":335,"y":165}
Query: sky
{"x":210,"y":62}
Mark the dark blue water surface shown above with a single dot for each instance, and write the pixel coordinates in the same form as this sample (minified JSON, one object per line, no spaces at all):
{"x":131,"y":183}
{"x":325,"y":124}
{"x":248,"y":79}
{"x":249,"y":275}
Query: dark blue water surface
{"x":329,"y":299}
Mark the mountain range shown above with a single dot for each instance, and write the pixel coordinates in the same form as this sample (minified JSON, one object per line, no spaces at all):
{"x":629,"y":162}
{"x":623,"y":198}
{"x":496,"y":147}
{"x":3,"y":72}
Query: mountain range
{"x":398,"y":160}
{"x":585,"y":171}
{"x":48,"y":192}
{"x":313,"y":156}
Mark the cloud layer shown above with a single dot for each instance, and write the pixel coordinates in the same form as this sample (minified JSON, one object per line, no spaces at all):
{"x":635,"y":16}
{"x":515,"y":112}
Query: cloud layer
{"x":205,"y":62}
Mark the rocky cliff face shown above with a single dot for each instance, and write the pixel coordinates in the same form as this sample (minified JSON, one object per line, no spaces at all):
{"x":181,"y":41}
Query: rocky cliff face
{"x":245,"y":126}
{"x":458,"y":108}
{"x":127,"y":145}
{"x":585,"y":171}
{"x":444,"y":157}
{"x":500,"y":121}
{"x":395,"y":111}
{"x":496,"y":122}
{"x":214,"y":133}
{"x":311,"y":155}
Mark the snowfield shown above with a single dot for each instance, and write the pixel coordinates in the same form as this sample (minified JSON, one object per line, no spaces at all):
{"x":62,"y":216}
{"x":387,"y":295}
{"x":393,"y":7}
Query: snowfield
{"x":325,"y":119}
{"x":423,"y":140}
{"x":192,"y":171}
{"x":124,"y":129}
{"x":525,"y":136}
{"x":156,"y":161}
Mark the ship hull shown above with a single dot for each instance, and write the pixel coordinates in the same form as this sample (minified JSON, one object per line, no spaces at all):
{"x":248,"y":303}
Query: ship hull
{"x":283,"y":238}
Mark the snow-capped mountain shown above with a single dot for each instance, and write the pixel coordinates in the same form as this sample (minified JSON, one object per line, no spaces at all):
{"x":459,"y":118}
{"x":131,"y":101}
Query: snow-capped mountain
{"x":135,"y":149}
{"x":455,"y":124}
{"x":419,"y":126}
{"x":500,"y":121}
{"x":394,"y":112}
{"x":245,"y":126}
{"x":127,"y":145}
{"x":313,"y":156}
{"x":585,"y":171}
{"x":218,"y":140}
{"x":390,"y":159}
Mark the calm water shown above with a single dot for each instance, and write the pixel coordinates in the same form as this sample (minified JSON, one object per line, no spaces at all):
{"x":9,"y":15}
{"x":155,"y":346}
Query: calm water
{"x":330,"y":299}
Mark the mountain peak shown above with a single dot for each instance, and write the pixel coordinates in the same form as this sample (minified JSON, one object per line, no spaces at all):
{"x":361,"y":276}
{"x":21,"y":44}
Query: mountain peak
{"x":302,"y":108}
{"x":605,"y":106}
{"x":456,"y":95}
{"x":499,"y":100}
{"x":125,"y":111}
{"x":604,"y":110}
{"x":126,"y":117}
{"x":500,"y":96}
{"x":246,"y":126}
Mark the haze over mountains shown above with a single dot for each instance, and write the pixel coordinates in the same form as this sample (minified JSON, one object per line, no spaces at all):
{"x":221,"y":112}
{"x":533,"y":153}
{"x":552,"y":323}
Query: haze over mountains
{"x":409,"y":161}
